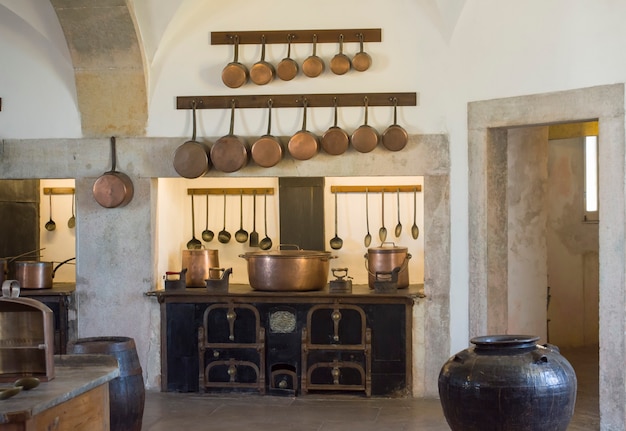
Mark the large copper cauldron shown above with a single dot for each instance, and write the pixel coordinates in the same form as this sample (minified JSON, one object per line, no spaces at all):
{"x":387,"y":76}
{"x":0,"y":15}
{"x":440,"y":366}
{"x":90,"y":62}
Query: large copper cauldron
{"x":288,"y":270}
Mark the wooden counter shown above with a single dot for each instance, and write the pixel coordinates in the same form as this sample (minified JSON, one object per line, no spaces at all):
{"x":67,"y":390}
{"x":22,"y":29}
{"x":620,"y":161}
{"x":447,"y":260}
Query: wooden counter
{"x":77,"y":398}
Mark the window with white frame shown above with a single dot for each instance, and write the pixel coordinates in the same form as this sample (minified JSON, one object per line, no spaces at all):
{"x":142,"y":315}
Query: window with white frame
{"x":591,"y":179}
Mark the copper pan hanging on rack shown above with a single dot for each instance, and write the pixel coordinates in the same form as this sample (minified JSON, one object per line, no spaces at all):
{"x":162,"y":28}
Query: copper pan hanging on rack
{"x":113,"y":189}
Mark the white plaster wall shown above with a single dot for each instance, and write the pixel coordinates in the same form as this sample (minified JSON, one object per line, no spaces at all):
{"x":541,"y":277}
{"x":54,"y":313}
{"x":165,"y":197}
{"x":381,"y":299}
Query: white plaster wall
{"x":496,"y":48}
{"x":527,"y":224}
{"x":572,"y":250}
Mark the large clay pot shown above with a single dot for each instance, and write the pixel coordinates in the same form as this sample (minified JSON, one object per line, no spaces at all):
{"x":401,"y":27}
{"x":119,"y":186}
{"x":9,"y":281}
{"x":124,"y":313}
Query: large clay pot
{"x":508,"y":382}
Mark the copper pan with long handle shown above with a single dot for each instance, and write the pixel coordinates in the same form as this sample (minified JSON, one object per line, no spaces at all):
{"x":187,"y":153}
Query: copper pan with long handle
{"x":191,"y":159}
{"x":335,"y":140}
{"x":235,"y":74}
{"x":113,"y":189}
{"x":304,"y":144}
{"x":395,"y":137}
{"x":267,"y":151}
{"x":230,"y":152}
{"x":365,"y":138}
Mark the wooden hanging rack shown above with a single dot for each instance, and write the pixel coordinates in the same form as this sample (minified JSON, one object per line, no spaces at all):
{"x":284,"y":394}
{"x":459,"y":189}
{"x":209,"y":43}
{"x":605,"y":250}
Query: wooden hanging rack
{"x":58,"y":191}
{"x":232,"y":191}
{"x":376,"y":189}
{"x":297,"y":100}
{"x":297,"y":36}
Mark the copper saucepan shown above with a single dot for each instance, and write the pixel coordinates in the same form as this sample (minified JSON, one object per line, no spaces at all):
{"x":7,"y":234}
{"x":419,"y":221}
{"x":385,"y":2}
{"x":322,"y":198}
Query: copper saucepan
{"x":267,"y":151}
{"x":191,"y":159}
{"x":365,"y":138}
{"x":340,"y":63}
{"x":361,"y":60}
{"x":262,"y":72}
{"x":235,"y":74}
{"x":287,"y":69}
{"x":36,"y":274}
{"x":336,"y":140}
{"x":313,"y":66}
{"x":395,"y":137}
{"x":230,"y":152}
{"x":113,"y":189}
{"x":304,"y":144}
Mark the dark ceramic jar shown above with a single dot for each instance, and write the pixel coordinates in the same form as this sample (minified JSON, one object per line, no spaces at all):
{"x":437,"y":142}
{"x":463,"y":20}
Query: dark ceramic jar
{"x":508,"y":382}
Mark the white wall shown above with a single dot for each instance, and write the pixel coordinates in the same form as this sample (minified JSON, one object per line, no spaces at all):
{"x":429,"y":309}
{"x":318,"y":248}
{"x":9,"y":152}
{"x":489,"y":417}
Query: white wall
{"x":498,"y":48}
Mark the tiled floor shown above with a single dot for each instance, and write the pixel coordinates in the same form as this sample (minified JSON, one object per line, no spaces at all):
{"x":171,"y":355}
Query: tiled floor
{"x":191,"y":412}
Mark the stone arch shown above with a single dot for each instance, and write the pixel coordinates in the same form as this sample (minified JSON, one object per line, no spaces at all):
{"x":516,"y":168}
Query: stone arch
{"x":109,"y":67}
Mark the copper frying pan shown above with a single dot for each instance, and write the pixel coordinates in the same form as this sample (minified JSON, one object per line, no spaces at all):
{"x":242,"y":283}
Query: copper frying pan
{"x":113,"y":189}
{"x":313,"y":66}
{"x":287,"y":69}
{"x":340,"y":63}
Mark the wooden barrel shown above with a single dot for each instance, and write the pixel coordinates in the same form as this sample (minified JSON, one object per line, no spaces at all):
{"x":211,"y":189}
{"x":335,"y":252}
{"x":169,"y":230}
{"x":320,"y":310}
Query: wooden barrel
{"x":126,"y":392}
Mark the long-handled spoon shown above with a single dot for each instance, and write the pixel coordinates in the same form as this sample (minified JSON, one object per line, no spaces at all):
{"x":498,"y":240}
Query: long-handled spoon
{"x":415,"y":231}
{"x":207,"y":234}
{"x":193,"y":243}
{"x":254,"y":235}
{"x":266,"y":243}
{"x":51,"y":225}
{"x":241,"y":235}
{"x":336,"y":243}
{"x":382,"y":232}
{"x":71,"y":223}
{"x":224,"y":236}
{"x":368,"y":238}
{"x":398,"y":229}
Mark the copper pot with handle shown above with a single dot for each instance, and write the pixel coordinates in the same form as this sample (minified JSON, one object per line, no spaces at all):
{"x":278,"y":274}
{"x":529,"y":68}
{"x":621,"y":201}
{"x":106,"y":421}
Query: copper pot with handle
{"x":287,"y":69}
{"x":36,"y":274}
{"x":336,"y":140}
{"x":313,"y":65}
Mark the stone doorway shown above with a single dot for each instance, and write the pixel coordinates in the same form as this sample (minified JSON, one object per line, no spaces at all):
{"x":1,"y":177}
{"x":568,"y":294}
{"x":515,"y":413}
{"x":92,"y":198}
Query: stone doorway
{"x":489,"y":122}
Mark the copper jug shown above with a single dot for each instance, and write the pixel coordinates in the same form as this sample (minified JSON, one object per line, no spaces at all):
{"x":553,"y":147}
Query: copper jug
{"x":198,"y":264}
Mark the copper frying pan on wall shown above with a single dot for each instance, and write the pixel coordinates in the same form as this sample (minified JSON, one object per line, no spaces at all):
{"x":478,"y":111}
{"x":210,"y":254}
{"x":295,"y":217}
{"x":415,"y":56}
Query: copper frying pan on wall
{"x":304,"y":144}
{"x":365,"y":138}
{"x":395,"y":137}
{"x":267,"y":151}
{"x":336,"y":140}
{"x":113,"y":189}
{"x":230,"y":152}
{"x":235,"y":74}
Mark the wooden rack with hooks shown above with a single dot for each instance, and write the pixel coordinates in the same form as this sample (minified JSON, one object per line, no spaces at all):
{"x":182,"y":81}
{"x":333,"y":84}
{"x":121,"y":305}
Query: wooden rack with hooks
{"x":297,"y":100}
{"x":297,"y":36}
{"x":58,"y":191}
{"x":376,"y":189}
{"x":232,"y":191}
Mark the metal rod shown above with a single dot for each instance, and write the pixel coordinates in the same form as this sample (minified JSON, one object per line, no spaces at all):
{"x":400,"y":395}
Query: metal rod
{"x":297,"y":36}
{"x":376,"y":189}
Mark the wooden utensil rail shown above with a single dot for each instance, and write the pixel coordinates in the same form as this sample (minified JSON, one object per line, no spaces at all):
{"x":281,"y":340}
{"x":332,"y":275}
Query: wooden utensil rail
{"x":232,"y":191}
{"x":58,"y":191}
{"x":297,"y":100}
{"x":376,"y":189}
{"x":297,"y":36}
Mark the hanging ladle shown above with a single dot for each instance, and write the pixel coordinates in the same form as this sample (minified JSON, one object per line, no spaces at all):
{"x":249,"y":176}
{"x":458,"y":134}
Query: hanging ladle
{"x":398,"y":229}
{"x":241,"y":235}
{"x":71,"y":223}
{"x":368,"y":238}
{"x":254,"y":235}
{"x":266,"y":243}
{"x":415,"y":231}
{"x":336,"y":243}
{"x":207,"y":235}
{"x":382,"y":232}
{"x":51,"y":225}
{"x":193,"y":243}
{"x":224,"y":236}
